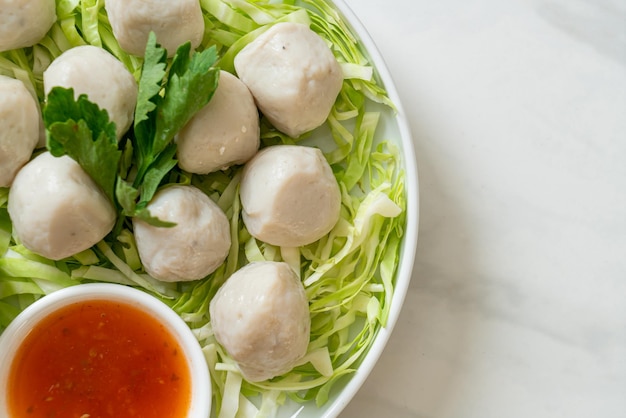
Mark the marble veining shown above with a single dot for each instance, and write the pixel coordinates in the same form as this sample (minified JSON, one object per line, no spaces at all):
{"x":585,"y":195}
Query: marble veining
{"x":599,"y":23}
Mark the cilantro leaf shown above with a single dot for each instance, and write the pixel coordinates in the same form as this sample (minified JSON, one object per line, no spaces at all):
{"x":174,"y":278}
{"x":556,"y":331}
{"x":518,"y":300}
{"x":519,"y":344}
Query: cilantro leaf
{"x":81,"y":130}
{"x":162,"y":165}
{"x":190,"y":86}
{"x":148,"y":98}
{"x":150,"y":83}
{"x":126,"y":196}
{"x":144,"y":215}
{"x":168,"y":98}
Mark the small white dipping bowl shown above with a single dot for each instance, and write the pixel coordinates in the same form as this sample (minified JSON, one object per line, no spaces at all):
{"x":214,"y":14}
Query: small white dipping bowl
{"x":16,"y":332}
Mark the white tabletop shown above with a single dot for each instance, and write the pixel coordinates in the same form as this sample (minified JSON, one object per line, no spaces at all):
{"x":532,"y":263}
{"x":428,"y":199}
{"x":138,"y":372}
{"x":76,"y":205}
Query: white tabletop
{"x":517,"y":305}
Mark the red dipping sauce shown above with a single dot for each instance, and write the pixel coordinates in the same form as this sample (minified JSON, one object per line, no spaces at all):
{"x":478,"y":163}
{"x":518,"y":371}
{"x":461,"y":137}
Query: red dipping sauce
{"x":97,"y":359}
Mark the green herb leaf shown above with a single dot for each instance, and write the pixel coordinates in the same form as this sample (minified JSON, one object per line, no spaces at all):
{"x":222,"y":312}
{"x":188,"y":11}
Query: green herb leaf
{"x":167,"y":100}
{"x":190,"y":86}
{"x":162,"y":165}
{"x":150,"y":83}
{"x":81,"y":130}
{"x":144,"y":215}
{"x":148,"y":98}
{"x":126,"y":196}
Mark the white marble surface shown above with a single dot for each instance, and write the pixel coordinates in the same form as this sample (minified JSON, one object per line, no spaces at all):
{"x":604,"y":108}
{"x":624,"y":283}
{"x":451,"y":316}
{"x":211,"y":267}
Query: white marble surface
{"x":517,"y":305}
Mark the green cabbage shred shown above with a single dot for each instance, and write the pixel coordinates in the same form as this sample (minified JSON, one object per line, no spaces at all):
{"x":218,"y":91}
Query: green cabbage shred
{"x":348,"y":275}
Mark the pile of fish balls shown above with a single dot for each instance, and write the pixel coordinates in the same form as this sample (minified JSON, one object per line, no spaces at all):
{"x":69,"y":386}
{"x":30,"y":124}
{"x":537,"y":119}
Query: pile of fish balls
{"x":289,"y":195}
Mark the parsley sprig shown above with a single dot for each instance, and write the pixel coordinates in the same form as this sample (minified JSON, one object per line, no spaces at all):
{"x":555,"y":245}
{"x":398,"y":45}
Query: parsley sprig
{"x":168,"y":97}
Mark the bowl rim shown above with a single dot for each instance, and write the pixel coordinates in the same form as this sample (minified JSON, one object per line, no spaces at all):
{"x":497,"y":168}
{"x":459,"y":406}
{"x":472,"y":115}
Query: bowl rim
{"x":12,"y":337}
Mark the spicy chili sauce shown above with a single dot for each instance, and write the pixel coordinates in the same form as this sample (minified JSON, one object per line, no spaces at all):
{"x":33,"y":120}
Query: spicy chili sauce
{"x":99,"y":359}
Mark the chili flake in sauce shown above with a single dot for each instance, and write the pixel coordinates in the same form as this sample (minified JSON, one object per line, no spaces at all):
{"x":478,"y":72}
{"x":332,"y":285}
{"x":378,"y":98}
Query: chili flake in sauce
{"x":99,"y":359}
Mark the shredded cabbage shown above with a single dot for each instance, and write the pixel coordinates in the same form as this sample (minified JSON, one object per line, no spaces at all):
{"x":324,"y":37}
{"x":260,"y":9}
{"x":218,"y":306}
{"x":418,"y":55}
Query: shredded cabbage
{"x":348,"y":275}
